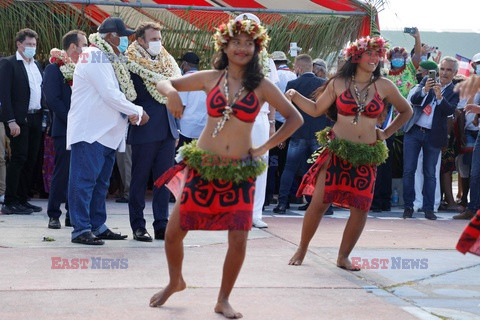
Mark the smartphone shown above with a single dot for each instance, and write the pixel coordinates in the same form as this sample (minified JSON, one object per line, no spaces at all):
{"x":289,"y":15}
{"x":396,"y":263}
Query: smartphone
{"x":412,"y":30}
{"x":432,"y":74}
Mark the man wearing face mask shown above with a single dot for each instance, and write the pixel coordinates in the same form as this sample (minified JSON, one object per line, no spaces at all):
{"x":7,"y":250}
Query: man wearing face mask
{"x":57,"y":82}
{"x":21,"y":112}
{"x":96,"y":126}
{"x":194,"y":116}
{"x":476,"y":63}
{"x":153,"y":145}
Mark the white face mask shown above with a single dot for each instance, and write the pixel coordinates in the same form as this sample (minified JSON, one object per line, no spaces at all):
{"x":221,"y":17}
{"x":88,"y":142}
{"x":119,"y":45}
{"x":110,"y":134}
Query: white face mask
{"x":154,"y":47}
{"x":29,"y":52}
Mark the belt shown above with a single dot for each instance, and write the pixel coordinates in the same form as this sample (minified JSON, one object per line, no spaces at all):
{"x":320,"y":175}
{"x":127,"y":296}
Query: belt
{"x":35,"y":111}
{"x":422,"y":128}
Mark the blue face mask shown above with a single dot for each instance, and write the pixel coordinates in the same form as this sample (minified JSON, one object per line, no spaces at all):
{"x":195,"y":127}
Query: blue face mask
{"x":477,"y":69}
{"x":122,"y":47}
{"x":29,"y":52}
{"x":398,"y":63}
{"x":423,"y":58}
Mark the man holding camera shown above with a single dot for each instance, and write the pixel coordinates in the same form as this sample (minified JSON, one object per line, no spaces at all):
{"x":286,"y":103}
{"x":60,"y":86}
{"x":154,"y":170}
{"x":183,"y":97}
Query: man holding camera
{"x":432,"y":103}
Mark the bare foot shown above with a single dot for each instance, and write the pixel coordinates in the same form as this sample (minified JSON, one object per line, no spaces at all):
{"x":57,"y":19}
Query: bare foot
{"x":345,"y":263}
{"x":162,"y":296}
{"x":226,"y":309}
{"x":298,"y":257}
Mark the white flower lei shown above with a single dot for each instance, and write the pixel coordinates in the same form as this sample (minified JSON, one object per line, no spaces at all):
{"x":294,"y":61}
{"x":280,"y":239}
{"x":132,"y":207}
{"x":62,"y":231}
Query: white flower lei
{"x":265,"y":62}
{"x":68,"y":66}
{"x":121,"y":71}
{"x":164,"y":67}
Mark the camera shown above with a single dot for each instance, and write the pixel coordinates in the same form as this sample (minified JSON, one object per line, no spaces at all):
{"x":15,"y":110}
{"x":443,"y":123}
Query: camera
{"x":412,"y":30}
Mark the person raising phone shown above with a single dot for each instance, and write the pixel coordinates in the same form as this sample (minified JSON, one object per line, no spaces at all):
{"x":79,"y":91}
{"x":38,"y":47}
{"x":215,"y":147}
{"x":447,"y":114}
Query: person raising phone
{"x":432,"y":103}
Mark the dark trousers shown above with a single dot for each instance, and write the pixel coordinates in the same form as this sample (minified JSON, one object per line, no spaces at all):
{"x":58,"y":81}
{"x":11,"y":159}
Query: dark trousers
{"x":156,"y":158}
{"x":24,"y":149}
{"x":59,"y":186}
{"x":383,"y":183}
{"x":182,"y":140}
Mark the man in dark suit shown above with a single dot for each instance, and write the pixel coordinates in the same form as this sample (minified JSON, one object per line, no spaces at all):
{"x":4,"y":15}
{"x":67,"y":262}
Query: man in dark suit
{"x":303,"y":141}
{"x":21,"y":98}
{"x":433,"y":102}
{"x":153,"y":145}
{"x":58,"y":92}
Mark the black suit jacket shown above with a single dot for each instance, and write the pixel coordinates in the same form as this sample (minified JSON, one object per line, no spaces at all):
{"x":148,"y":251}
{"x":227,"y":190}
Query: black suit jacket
{"x":306,"y":84}
{"x":14,"y":90}
{"x":58,"y":94}
{"x":160,"y":126}
{"x":438,"y":136}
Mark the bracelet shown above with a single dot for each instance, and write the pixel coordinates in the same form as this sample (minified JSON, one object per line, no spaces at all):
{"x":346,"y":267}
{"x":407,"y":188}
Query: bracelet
{"x":272,"y":121}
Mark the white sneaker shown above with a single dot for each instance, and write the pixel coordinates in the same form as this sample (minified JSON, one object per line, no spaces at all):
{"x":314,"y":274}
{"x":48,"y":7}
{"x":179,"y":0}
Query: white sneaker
{"x":257,"y":223}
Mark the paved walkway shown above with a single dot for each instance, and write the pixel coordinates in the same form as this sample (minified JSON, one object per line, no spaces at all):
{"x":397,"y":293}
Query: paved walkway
{"x":424,"y":277}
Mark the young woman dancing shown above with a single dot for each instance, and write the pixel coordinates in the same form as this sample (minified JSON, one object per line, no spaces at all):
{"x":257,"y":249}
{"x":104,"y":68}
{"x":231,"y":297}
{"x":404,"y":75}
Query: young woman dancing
{"x":218,"y":191}
{"x":344,"y":166}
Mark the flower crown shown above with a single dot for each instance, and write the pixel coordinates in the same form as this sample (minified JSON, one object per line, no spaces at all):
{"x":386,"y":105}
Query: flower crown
{"x":228,"y":30}
{"x":395,"y":50}
{"x":361,"y":45}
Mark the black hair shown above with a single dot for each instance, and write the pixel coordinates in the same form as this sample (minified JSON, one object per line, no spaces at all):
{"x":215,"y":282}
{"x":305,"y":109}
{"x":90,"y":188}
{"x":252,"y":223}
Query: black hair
{"x":346,"y":72}
{"x":253,"y":73}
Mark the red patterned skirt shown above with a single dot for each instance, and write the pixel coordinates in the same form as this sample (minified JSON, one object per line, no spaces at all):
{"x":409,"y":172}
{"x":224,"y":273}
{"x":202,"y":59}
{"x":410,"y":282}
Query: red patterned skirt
{"x":210,"y":205}
{"x":470,"y":239}
{"x":346,"y":185}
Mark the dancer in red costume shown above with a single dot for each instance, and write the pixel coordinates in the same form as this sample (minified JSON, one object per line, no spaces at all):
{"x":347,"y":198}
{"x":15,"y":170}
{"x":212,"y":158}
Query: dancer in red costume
{"x":344,"y":167}
{"x":220,"y":169}
{"x":470,"y":239}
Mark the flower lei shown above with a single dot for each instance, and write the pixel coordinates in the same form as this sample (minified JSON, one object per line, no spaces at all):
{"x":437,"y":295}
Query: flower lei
{"x":121,"y":71}
{"x":361,"y":45}
{"x":355,"y":153}
{"x":227,"y":30}
{"x":211,"y":166}
{"x":265,"y":62}
{"x":163,"y":67}
{"x":66,"y":65}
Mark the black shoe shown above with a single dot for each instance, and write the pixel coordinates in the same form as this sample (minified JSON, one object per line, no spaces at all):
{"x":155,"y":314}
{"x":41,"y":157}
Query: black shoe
{"x":31,"y":206}
{"x":88,"y":238}
{"x":122,"y":200}
{"x":375,"y":209}
{"x":15,"y":209}
{"x":141,"y":234}
{"x":386,"y":208}
{"x":304,"y":207}
{"x":67,"y":220}
{"x":329,"y":212}
{"x":110,"y":235}
{"x":54,"y":223}
{"x":160,"y":234}
{"x":280,"y":209}
{"x":430,"y":215}
{"x":408,"y":213}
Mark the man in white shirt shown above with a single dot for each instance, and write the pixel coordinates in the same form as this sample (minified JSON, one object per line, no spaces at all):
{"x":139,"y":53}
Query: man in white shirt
{"x":21,"y":112}
{"x":96,"y":126}
{"x":194,"y":116}
{"x":432,"y":103}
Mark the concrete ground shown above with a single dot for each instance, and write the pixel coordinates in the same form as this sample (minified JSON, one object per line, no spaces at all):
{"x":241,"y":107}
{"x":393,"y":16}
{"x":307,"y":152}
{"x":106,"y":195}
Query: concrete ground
{"x":424,"y":277}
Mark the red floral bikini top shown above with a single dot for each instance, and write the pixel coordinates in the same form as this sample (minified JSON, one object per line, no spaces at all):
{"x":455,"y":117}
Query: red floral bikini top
{"x":245,"y":109}
{"x":347,"y":106}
